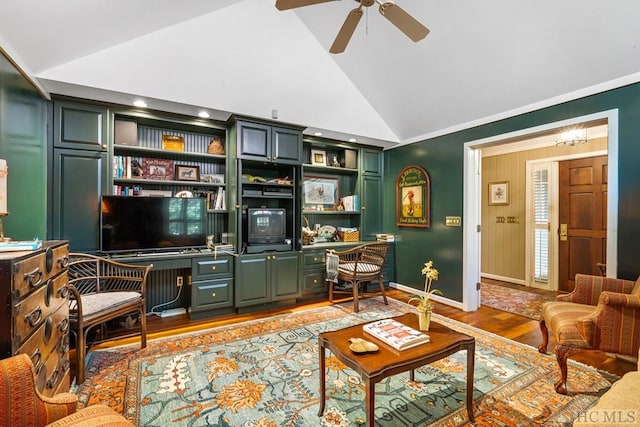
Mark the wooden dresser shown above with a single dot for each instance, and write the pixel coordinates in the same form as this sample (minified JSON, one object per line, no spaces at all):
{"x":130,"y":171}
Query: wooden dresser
{"x":35,"y":312}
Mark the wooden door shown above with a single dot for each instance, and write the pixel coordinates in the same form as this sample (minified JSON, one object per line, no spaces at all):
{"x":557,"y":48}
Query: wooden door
{"x":583,"y":218}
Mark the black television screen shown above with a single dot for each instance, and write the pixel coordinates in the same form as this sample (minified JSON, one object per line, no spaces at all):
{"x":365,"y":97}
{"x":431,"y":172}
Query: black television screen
{"x":152,"y":223}
{"x":266,"y":225}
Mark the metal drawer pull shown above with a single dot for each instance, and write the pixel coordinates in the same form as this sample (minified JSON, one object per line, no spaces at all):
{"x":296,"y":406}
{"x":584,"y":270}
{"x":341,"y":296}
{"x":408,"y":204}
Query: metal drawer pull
{"x":213,"y":294}
{"x":48,"y":329}
{"x":63,"y":325}
{"x":53,"y":379}
{"x":36,"y":357}
{"x":315,"y":280}
{"x":64,"y":261}
{"x":66,"y":365}
{"x":63,"y":292}
{"x":34,"y":278}
{"x":34,"y":317}
{"x":48,"y":293}
{"x":213,"y":267}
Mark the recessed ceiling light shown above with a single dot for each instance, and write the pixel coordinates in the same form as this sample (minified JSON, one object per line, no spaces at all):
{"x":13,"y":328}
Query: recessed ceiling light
{"x":317,"y":133}
{"x":352,"y":139}
{"x":140,"y":103}
{"x":203,"y":114}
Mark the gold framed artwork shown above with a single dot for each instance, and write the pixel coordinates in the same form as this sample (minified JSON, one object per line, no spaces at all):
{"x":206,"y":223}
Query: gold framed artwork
{"x":318,"y":157}
{"x":413,"y":198}
{"x":499,"y":193}
{"x":173,"y":142}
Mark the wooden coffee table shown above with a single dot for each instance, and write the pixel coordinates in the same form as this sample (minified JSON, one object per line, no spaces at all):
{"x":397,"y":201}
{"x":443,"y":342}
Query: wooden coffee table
{"x":374,"y":367}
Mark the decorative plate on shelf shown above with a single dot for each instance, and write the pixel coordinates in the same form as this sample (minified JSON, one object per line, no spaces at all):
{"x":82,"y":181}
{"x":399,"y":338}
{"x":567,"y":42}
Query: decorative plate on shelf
{"x":327,"y":231}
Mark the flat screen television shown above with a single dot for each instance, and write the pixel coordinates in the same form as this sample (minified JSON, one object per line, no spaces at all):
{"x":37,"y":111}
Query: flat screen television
{"x":152,"y":223}
{"x":266,"y":225}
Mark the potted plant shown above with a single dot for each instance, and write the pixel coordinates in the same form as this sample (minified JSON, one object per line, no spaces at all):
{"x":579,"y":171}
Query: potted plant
{"x":425,"y":307}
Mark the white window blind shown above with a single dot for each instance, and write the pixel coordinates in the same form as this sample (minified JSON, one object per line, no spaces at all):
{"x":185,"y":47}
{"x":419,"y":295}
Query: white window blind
{"x":541,"y":224}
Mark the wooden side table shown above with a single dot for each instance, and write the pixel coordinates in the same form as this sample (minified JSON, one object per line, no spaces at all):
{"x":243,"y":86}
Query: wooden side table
{"x":374,"y":367}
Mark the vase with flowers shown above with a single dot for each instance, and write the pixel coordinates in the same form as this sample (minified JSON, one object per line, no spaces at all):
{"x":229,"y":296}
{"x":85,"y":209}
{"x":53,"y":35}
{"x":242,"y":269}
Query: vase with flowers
{"x":425,"y":307}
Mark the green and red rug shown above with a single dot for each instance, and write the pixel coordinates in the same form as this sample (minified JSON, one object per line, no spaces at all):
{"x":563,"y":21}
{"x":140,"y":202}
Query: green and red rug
{"x":521,"y":302}
{"x":265,"y":373}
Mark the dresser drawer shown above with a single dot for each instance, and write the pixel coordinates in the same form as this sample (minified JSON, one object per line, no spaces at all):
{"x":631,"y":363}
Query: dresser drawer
{"x":207,"y":267}
{"x":313,"y":259}
{"x":210,"y":294}
{"x":51,"y":374}
{"x":32,"y":272}
{"x":30,"y":312}
{"x":51,"y":337}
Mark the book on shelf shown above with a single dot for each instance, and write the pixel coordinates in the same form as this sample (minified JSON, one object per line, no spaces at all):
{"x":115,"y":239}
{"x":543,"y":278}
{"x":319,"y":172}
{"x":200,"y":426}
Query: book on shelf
{"x":385,"y":237}
{"x":396,"y":334}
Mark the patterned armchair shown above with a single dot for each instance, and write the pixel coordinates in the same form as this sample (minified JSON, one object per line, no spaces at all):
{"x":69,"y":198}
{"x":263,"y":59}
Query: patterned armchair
{"x":600,"y":314}
{"x":22,"y":405}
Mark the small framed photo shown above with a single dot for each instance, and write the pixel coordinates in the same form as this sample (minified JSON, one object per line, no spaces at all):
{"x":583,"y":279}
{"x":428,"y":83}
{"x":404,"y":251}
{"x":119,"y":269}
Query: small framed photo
{"x":187,"y":173}
{"x":159,"y":169}
{"x":318,"y":157}
{"x":499,"y":193}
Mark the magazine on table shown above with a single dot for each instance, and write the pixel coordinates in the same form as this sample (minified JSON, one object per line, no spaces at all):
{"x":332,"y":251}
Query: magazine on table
{"x":396,"y":334}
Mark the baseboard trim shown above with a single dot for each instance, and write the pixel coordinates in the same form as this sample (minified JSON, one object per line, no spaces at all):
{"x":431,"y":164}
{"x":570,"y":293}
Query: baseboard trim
{"x":503,"y":279}
{"x":436,"y":298}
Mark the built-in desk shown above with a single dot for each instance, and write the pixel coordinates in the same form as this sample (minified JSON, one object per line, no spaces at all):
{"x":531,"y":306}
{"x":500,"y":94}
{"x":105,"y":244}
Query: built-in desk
{"x":209,"y":279}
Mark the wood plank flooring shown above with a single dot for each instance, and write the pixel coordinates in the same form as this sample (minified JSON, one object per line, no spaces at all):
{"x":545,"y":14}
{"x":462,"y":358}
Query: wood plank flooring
{"x":508,"y":325}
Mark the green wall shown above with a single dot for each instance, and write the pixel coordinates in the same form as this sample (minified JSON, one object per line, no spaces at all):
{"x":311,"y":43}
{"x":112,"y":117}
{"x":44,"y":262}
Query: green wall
{"x":442,"y":158}
{"x":23,"y":145}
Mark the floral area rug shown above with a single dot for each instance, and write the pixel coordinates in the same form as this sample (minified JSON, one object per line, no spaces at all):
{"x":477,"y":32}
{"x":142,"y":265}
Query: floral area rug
{"x":523,"y":303}
{"x":265,"y":373}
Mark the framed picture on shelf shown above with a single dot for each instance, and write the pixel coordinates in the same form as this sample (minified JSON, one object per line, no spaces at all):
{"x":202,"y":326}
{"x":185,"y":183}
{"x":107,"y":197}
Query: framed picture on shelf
{"x":413,"y":194}
{"x":318,"y":157}
{"x":173,"y":142}
{"x":499,"y":193}
{"x":320,"y":193}
{"x":187,"y":173}
{"x":160,"y":169}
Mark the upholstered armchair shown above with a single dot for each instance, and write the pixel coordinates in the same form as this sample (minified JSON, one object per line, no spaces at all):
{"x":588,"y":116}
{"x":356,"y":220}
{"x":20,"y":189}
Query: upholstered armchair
{"x":356,"y":267}
{"x":600,"y":314}
{"x":21,"y":405}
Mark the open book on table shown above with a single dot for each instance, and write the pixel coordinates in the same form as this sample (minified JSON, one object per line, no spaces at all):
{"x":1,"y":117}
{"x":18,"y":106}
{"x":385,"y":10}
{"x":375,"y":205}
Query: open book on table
{"x":396,"y":334}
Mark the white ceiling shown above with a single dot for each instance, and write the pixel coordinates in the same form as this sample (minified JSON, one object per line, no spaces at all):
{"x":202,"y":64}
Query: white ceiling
{"x":483,"y":60}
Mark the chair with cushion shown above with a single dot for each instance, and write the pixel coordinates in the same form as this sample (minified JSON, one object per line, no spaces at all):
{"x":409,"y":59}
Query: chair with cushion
{"x":601,"y":313}
{"x":22,"y":405}
{"x":356,"y":267}
{"x":102,"y":290}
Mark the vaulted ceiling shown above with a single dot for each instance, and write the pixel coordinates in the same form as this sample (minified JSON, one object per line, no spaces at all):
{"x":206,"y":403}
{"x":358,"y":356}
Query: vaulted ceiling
{"x":483,"y":60}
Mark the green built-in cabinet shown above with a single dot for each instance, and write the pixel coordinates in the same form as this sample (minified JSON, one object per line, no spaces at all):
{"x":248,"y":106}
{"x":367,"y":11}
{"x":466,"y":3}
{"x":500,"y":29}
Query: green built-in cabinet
{"x":90,"y":141}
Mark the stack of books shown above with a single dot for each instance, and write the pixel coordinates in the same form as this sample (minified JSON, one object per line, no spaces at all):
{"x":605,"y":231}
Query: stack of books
{"x":385,"y":237}
{"x":17,"y":245}
{"x":396,"y":334}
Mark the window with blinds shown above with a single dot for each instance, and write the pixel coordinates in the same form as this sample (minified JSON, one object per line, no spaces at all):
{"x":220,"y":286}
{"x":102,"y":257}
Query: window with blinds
{"x":541,"y":225}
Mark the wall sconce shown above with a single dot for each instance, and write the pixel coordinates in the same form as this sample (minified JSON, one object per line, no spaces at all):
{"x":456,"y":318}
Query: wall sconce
{"x":572,"y":137}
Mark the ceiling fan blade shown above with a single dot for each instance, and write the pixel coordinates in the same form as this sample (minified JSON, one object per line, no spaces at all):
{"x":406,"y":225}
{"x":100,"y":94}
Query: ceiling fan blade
{"x":349,"y":26}
{"x":405,"y":22}
{"x":292,"y":4}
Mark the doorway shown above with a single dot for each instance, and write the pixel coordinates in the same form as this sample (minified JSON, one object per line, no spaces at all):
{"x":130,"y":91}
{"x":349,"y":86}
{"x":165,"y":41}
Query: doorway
{"x":473,"y":191}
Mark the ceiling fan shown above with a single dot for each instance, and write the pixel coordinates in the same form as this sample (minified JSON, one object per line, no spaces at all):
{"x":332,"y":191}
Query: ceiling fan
{"x":406,"y":23}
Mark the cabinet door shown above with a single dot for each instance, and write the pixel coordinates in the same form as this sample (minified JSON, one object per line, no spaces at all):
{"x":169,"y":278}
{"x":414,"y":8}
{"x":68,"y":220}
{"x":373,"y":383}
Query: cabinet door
{"x":286,"y":145}
{"x":254,"y":141}
{"x":251,"y":280}
{"x":371,"y":210}
{"x":80,"y":126}
{"x":371,"y":162}
{"x":284,"y":275}
{"x":80,"y":177}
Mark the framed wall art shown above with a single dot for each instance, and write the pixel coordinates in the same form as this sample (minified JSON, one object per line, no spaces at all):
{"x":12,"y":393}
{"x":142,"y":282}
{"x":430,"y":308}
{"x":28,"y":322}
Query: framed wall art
{"x":320,"y":193}
{"x":187,"y":173}
{"x":499,"y":193}
{"x":413,"y":189}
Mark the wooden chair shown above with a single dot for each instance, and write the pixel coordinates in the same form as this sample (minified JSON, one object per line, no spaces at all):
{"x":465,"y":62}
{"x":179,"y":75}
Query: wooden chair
{"x":102,"y":290}
{"x":600,"y":314}
{"x":22,"y":405}
{"x":358,"y":266}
